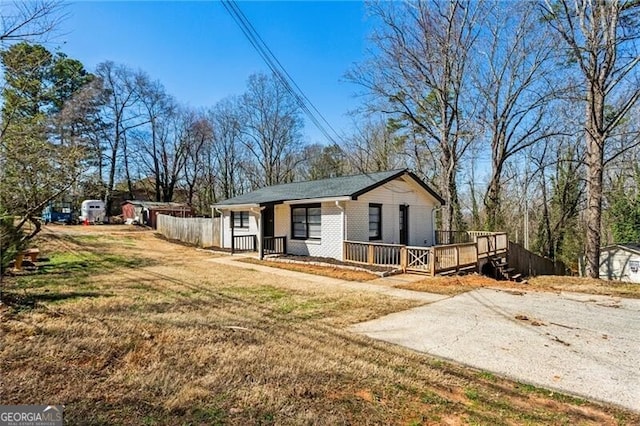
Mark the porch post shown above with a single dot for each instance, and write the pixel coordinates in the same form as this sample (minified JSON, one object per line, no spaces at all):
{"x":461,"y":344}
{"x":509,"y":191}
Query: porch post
{"x":260,"y":235}
{"x":231,"y":218}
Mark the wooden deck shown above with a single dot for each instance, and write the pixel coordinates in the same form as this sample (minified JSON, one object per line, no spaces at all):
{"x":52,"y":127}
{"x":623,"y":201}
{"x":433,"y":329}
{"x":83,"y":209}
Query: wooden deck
{"x":434,"y":260}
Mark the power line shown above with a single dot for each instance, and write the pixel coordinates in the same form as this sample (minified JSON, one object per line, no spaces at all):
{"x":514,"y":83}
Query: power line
{"x":279,"y":71}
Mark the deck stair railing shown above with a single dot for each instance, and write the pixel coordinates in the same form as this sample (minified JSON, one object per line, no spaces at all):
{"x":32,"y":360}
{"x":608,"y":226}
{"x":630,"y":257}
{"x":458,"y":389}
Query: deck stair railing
{"x":432,"y":260}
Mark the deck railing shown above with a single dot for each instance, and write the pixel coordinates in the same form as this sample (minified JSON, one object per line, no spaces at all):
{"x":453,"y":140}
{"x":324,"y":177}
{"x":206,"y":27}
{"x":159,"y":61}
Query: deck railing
{"x":274,"y":245}
{"x":373,"y":253}
{"x":243,"y":243}
{"x":432,"y":260}
{"x":452,"y":237}
{"x":454,"y":257}
{"x":492,"y":244}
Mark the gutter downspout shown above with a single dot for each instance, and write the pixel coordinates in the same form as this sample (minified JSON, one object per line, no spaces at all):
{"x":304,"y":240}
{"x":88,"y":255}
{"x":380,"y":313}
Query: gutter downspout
{"x":344,"y":227}
{"x":221,"y":224}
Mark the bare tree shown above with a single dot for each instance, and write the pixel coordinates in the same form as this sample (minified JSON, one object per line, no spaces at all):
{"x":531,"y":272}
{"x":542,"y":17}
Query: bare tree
{"x":29,"y":20}
{"x":199,"y":136}
{"x":374,"y":147}
{"x":120,"y":116}
{"x":225,"y":162}
{"x":158,"y":108}
{"x":271,"y":130}
{"x":601,"y":38}
{"x":418,"y":74}
{"x":516,"y":85}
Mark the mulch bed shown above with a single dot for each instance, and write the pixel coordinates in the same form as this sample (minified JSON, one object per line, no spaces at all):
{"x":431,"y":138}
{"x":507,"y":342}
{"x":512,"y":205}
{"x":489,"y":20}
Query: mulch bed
{"x":334,"y":262}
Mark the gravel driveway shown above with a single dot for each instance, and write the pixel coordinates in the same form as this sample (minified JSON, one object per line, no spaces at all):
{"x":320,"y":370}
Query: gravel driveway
{"x":576,"y":343}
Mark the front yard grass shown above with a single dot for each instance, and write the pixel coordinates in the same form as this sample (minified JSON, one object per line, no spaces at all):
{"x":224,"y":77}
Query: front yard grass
{"x":162,"y":336}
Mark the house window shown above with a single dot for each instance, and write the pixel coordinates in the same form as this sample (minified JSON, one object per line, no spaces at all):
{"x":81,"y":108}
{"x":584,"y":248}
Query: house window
{"x":375,"y":221}
{"x":305,"y":222}
{"x":240,"y":219}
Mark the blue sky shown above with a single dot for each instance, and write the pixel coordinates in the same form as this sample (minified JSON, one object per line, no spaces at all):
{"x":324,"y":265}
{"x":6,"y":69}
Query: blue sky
{"x":196,"y":50}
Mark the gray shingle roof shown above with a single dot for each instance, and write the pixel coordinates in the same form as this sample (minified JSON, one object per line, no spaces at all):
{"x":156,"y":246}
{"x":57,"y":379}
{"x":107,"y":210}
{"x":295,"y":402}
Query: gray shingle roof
{"x":157,"y":205}
{"x":350,"y":186}
{"x":632,"y":247}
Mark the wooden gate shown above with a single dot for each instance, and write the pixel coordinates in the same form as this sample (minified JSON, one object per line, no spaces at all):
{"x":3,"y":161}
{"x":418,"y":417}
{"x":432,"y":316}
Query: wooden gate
{"x":418,"y":259}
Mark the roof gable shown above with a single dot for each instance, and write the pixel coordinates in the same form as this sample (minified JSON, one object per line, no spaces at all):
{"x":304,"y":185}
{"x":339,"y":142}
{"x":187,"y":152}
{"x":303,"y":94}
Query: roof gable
{"x":630,"y":247}
{"x":344,"y":186}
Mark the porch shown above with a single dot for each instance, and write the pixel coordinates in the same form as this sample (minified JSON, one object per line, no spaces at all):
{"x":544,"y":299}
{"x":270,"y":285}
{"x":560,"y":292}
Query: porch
{"x":468,"y":252}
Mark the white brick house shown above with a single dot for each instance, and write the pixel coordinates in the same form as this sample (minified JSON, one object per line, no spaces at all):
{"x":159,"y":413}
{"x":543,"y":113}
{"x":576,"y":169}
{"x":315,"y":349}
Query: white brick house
{"x":314,"y":218}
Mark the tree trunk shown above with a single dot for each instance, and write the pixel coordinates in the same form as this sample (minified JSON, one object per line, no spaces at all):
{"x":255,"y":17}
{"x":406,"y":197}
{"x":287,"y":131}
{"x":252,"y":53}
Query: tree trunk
{"x":450,"y":193}
{"x":595,"y":164}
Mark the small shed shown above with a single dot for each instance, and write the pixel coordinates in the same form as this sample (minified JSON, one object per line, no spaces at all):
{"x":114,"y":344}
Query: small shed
{"x":620,"y":262}
{"x":146,"y":212}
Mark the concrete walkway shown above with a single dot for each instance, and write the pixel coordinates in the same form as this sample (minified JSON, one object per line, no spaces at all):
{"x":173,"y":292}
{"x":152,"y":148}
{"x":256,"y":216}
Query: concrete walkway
{"x":380,"y":286}
{"x":579,"y":344}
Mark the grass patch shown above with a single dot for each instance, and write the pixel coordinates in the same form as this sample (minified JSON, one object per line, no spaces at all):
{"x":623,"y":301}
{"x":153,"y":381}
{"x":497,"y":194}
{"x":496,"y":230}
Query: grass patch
{"x":65,"y":277}
{"x":326,"y":271}
{"x":471,"y":394}
{"x":179,"y":340}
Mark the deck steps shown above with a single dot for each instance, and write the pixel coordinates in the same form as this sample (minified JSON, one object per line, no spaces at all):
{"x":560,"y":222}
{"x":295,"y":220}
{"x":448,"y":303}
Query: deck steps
{"x":498,"y":267}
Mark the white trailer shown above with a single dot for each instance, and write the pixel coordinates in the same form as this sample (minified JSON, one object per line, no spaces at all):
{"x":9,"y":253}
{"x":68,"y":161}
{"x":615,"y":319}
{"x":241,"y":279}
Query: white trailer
{"x":92,"y":211}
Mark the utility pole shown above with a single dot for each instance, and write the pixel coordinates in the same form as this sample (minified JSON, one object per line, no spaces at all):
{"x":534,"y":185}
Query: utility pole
{"x":526,"y":204}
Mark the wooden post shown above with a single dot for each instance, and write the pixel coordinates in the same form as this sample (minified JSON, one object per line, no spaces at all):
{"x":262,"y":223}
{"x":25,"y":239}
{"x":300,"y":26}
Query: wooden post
{"x":477,"y":259}
{"x":432,"y":263}
{"x":403,"y":259}
{"x":344,"y":251}
{"x":370,"y":254}
{"x":456,"y":250}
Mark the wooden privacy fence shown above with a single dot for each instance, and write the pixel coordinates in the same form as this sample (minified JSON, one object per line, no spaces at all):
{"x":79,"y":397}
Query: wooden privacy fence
{"x":202,"y":232}
{"x":528,"y":263}
{"x":432,"y":260}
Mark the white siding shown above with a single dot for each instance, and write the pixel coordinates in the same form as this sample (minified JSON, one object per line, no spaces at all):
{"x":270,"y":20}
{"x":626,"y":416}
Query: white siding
{"x":330,"y":243}
{"x":391,"y":196}
{"x":353,"y":221}
{"x":226,"y":227}
{"x":615,"y":265}
{"x":357,"y":221}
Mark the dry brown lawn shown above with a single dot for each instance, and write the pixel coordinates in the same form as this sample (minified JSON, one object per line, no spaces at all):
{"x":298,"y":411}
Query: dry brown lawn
{"x":459,"y":284}
{"x":124,"y":328}
{"x":327,"y":271}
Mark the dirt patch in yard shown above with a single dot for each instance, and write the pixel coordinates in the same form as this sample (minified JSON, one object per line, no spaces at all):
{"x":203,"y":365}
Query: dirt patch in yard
{"x":332,"y":261}
{"x":159,"y":335}
{"x":326,"y":271}
{"x":586,"y":285}
{"x":453,"y":285}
